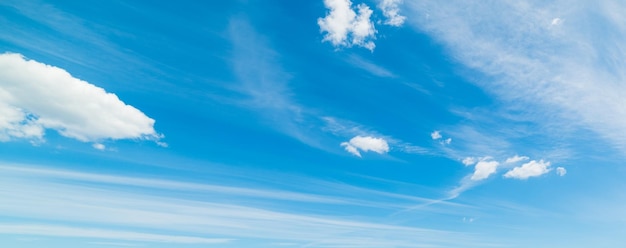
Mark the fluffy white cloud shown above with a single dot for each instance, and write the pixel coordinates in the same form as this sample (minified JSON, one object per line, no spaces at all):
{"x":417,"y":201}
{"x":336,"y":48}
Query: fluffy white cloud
{"x":344,"y":27}
{"x":391,"y":11}
{"x":484,"y":168}
{"x":366,"y":143}
{"x":561,"y":171}
{"x":516,"y":159}
{"x":36,"y":96}
{"x":531,"y":169}
{"x":435,"y":135}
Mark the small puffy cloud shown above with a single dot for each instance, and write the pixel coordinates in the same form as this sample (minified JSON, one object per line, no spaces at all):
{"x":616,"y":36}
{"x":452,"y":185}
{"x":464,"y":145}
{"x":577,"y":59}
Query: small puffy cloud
{"x":484,"y":168}
{"x":435,"y":135}
{"x":36,"y":96}
{"x":531,"y":169}
{"x":516,"y":159}
{"x":99,"y":146}
{"x":366,"y":143}
{"x":469,"y":161}
{"x":391,"y":11}
{"x":561,"y":171}
{"x":556,"y":21}
{"x":345,"y":27}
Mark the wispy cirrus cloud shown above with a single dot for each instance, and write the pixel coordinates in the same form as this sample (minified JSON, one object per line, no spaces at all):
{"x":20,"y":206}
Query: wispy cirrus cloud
{"x":93,"y":233}
{"x":83,"y":199}
{"x":36,"y":97}
{"x":540,"y":57}
{"x":264,"y":84}
{"x":370,"y":67}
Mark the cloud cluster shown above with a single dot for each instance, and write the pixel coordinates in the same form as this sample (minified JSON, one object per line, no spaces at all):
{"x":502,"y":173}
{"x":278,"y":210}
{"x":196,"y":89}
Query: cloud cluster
{"x":436,"y":135}
{"x":391,"y":10}
{"x":365,"y":144}
{"x":487,"y":166}
{"x":344,"y":27}
{"x":36,"y":96}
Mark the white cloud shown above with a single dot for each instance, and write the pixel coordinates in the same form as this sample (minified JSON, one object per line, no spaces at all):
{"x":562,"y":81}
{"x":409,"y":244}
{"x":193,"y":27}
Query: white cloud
{"x":341,"y":127}
{"x":351,"y":149}
{"x":530,"y":169}
{"x":561,"y":171}
{"x":435,"y":135}
{"x":65,"y":231}
{"x":36,"y":96}
{"x":391,"y":10}
{"x":569,"y":78}
{"x":484,"y":168}
{"x":344,"y":27}
{"x":14,"y":123}
{"x":370,"y":67}
{"x":99,"y":146}
{"x":469,"y":161}
{"x":516,"y":159}
{"x":556,"y":21}
{"x":199,"y":216}
{"x":366,"y":143}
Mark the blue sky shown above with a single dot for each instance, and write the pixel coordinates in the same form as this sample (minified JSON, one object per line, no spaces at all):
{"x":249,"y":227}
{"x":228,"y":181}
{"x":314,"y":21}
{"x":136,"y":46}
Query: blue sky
{"x":326,"y":123}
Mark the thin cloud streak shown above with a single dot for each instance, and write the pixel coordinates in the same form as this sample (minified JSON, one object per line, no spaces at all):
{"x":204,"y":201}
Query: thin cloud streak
{"x":333,"y":193}
{"x":82,"y":232}
{"x":82,"y":198}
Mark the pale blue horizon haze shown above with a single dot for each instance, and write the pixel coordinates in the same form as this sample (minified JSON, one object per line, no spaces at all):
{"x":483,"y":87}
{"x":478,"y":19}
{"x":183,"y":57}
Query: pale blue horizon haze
{"x":319,"y":123}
